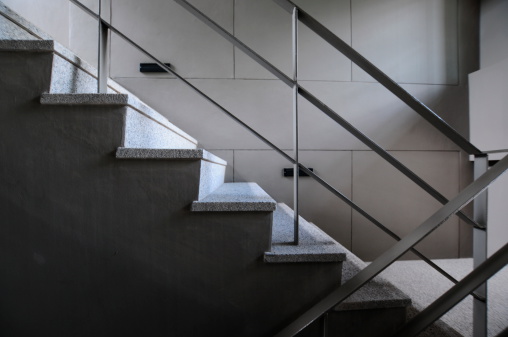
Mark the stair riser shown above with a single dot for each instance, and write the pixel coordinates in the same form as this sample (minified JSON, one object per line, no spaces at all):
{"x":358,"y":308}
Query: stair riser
{"x":211,"y":177}
{"x":357,"y":323}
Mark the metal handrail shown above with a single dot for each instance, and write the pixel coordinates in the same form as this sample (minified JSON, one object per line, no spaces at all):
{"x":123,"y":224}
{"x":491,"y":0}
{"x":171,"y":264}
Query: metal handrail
{"x":321,"y":106}
{"x":396,"y":251}
{"x":337,"y":118}
{"x":381,"y":77}
{"x":296,"y":143}
{"x":383,"y":153}
{"x":236,"y":119}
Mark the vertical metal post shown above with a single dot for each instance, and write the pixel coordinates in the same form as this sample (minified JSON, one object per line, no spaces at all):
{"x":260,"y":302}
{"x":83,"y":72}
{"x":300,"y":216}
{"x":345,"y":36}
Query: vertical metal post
{"x":296,"y":168}
{"x":324,"y":325}
{"x":481,"y":165}
{"x":102,"y":57}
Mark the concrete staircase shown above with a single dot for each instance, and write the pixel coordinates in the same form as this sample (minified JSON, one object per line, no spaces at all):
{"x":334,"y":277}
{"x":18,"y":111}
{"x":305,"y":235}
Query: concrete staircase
{"x":115,"y":223}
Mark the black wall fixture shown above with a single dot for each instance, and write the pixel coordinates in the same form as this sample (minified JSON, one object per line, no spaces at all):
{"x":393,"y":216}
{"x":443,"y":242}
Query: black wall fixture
{"x":288,"y":172}
{"x":152,"y":68}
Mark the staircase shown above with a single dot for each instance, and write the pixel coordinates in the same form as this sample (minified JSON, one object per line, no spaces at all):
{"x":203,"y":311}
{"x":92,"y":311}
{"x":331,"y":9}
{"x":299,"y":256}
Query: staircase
{"x":114,"y":223}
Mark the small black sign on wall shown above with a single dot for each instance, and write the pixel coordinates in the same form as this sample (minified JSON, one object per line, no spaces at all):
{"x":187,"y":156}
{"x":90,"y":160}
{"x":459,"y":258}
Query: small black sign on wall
{"x":289,"y":172}
{"x":152,"y":68}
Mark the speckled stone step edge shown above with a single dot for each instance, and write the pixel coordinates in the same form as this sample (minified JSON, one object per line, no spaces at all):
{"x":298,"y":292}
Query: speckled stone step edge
{"x":377,"y":294}
{"x":236,"y":197}
{"x":113,"y":99}
{"x":138,"y":153}
{"x":84,"y":99}
{"x":314,"y":245}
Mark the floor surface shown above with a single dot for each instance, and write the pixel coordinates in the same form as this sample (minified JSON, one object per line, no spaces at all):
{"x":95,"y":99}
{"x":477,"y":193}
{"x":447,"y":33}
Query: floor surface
{"x":423,"y":284}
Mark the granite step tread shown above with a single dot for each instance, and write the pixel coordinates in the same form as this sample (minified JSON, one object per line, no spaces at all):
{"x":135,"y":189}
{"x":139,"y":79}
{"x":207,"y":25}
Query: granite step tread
{"x":27,"y":45}
{"x":84,"y":99}
{"x":314,"y":246}
{"x":113,"y":99}
{"x":233,"y":197}
{"x":377,"y":294}
{"x":141,"y":153}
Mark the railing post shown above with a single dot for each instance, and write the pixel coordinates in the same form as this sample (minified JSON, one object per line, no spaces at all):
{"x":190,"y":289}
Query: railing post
{"x":324,"y":325}
{"x":481,"y":165}
{"x":103,"y":48}
{"x":296,"y":165}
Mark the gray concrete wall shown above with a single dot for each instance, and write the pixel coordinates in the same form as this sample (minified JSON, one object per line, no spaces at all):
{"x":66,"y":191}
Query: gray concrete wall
{"x":429,"y":47}
{"x":95,"y":246}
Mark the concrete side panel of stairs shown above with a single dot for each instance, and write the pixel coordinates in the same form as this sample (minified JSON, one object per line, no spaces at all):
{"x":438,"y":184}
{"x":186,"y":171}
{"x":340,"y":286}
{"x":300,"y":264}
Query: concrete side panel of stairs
{"x":96,"y":246}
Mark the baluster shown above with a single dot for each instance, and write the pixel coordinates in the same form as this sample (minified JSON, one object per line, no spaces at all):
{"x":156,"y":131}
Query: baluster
{"x":103,"y":47}
{"x":481,"y":165}
{"x":296,"y":168}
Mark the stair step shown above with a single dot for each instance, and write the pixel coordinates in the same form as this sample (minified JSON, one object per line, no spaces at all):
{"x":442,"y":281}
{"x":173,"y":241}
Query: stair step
{"x":111,"y":99}
{"x":314,"y":246}
{"x":144,"y":127}
{"x":26,"y":45}
{"x":211,"y":172}
{"x":377,"y":294}
{"x":74,"y":82}
{"x":84,"y":99}
{"x":236,"y":197}
{"x":139,"y":153}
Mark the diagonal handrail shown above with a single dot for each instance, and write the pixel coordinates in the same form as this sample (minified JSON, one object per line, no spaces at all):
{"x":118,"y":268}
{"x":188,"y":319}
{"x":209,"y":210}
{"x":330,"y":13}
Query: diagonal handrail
{"x":396,"y":251}
{"x":328,"y":111}
{"x":383,"y":154}
{"x":454,"y":295}
{"x":266,"y":141}
{"x":381,"y":77}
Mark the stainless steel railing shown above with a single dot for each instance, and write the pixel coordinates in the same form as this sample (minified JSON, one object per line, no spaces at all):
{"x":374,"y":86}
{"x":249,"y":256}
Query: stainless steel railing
{"x":481,"y":160}
{"x":401,"y":247}
{"x":404,"y":245}
{"x":337,"y":118}
{"x":381,"y":77}
{"x":328,"y":111}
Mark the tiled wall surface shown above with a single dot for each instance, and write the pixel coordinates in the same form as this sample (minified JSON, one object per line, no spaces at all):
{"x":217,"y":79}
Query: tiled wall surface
{"x":429,"y":47}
